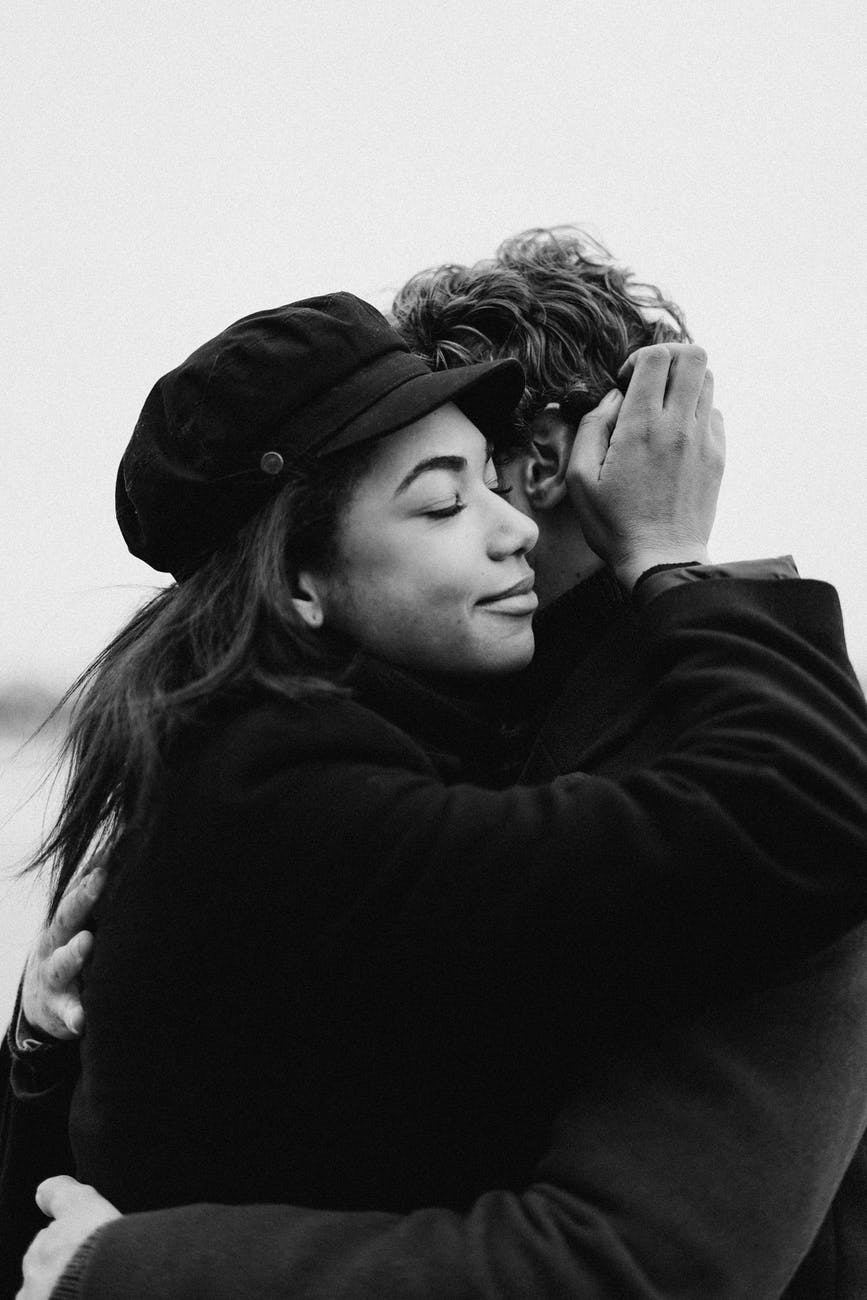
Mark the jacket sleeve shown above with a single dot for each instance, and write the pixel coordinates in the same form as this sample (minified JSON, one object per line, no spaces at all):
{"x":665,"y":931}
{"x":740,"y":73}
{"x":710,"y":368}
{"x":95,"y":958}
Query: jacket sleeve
{"x":689,"y":1159}
{"x":699,"y":1161}
{"x":746,"y":840}
{"x":33,"y":1141}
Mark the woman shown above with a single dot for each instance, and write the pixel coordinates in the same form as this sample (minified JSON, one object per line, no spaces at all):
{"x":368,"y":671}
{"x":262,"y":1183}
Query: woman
{"x":389,"y":914}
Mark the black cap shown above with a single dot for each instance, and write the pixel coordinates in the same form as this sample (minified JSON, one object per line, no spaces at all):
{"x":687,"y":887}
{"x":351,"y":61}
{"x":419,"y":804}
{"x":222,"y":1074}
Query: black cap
{"x":315,"y":376}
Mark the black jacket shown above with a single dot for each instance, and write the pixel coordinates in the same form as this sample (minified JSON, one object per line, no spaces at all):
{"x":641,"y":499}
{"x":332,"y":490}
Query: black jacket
{"x":437,"y":914}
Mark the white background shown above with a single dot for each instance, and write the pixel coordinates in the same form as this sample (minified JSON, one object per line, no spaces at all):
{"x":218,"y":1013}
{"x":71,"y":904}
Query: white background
{"x":172,"y":166}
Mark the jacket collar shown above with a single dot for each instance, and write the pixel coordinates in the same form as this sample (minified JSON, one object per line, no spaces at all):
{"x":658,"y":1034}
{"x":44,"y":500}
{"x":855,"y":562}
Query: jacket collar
{"x":468,"y":728}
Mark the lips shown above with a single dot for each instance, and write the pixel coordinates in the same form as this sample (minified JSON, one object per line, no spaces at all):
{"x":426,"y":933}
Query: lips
{"x":518,"y":599}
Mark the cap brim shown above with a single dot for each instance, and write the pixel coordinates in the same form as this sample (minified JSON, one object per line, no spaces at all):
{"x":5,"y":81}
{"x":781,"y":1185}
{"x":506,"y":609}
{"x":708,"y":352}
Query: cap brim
{"x":487,"y":393}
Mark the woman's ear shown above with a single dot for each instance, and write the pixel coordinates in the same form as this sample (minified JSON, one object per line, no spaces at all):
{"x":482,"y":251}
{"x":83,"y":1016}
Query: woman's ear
{"x":308,"y":598}
{"x":544,"y":468}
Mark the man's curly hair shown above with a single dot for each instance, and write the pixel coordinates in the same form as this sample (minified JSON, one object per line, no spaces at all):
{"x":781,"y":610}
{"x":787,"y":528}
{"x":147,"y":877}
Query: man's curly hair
{"x":554,"y":299}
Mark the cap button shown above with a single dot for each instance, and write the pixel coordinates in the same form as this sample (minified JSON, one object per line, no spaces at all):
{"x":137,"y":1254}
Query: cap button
{"x":271,"y":462}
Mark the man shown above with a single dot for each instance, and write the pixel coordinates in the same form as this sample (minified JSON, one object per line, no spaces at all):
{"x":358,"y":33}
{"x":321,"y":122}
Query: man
{"x":700,"y":1151}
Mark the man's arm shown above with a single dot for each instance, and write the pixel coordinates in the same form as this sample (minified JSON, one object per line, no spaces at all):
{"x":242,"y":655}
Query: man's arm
{"x":698,"y":1160}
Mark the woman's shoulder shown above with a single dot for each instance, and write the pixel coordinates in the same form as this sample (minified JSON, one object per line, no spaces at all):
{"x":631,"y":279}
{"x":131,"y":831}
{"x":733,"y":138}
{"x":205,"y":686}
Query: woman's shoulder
{"x":253,"y":738}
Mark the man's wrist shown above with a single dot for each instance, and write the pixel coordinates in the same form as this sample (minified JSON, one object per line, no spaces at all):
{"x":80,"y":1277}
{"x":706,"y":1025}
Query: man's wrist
{"x":631,"y":568}
{"x":665,"y":577}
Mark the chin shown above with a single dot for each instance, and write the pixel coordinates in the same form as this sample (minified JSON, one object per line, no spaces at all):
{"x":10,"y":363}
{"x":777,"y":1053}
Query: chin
{"x":511,"y":657}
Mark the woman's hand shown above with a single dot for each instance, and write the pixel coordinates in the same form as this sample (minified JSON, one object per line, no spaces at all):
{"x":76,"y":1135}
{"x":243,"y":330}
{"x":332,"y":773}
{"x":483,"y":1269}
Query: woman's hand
{"x":50,"y":997}
{"x":77,"y":1211}
{"x":646,"y":468}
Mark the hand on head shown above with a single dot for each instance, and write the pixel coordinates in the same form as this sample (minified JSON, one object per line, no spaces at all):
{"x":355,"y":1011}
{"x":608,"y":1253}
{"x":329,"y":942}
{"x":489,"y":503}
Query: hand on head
{"x":646,"y":467}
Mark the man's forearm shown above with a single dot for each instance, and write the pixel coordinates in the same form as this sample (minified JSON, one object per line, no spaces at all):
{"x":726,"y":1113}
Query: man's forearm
{"x":698,"y":1160}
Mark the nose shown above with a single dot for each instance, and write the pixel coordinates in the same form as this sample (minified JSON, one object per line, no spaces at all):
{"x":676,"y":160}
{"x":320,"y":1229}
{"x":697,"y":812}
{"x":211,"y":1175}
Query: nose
{"x":511,"y":531}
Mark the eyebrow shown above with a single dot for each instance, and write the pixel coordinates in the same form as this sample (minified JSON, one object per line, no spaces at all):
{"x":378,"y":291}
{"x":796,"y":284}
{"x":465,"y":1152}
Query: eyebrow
{"x":457,"y":464}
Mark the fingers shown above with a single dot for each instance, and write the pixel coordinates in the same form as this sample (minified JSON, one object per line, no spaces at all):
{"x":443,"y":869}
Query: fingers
{"x":704,"y":406}
{"x":60,"y":1194}
{"x":50,"y":997}
{"x":718,"y":436}
{"x":624,"y":374}
{"x":594,"y":435}
{"x":75,"y":907}
{"x":63,"y":1195}
{"x":666,"y":375}
{"x":71,"y":1012}
{"x":686,"y":378}
{"x":710,"y":422}
{"x":61,"y":975}
{"x":65,"y":963}
{"x":646,"y":373}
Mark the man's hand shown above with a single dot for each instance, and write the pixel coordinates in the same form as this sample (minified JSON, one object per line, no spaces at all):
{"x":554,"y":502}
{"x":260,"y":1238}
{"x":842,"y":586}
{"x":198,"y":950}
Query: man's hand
{"x":77,"y":1211}
{"x":646,"y":468}
{"x":50,"y":998}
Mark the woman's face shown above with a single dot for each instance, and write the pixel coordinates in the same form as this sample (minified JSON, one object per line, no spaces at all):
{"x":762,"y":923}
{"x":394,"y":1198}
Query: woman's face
{"x":431,"y":567}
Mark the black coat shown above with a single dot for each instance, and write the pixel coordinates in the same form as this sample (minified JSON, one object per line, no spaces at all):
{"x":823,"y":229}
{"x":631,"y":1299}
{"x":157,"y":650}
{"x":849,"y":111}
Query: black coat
{"x":435,"y":939}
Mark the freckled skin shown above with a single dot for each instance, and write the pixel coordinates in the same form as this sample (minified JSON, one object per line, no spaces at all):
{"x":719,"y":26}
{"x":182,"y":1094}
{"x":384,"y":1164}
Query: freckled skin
{"x":416,"y":560}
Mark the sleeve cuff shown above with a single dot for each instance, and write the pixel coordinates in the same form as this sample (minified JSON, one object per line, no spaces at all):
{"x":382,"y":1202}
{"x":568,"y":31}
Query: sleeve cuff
{"x":69,"y":1285}
{"x":38,"y":1066}
{"x":663,"y":578}
{"x":27,"y":1040}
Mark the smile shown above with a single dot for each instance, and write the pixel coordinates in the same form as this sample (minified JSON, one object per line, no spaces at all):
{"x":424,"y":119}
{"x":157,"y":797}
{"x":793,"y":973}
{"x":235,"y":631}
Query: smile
{"x":518,"y":600}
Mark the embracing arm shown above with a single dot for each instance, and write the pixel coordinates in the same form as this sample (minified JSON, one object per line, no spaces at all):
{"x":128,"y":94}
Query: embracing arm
{"x":699,"y":1160}
{"x":763,"y":774}
{"x":750,"y":831}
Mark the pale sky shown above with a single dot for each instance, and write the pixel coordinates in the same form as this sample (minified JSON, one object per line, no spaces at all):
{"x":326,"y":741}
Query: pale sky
{"x":173,"y":166}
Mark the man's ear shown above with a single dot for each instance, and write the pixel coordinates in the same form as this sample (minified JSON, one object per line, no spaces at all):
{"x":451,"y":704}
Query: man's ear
{"x":308,"y":593}
{"x":544,"y":469}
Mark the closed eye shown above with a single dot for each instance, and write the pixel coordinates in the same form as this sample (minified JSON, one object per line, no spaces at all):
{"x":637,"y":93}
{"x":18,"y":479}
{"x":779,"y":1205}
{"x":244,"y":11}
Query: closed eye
{"x":448,"y":511}
{"x":499,"y":489}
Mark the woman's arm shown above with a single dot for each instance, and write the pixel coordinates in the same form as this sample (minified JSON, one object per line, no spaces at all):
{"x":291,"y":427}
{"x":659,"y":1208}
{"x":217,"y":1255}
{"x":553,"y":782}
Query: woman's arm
{"x":699,"y":1159}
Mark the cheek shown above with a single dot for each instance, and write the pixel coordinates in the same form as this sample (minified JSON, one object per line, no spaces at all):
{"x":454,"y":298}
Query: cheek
{"x":419,"y":574}
{"x":410,"y":598}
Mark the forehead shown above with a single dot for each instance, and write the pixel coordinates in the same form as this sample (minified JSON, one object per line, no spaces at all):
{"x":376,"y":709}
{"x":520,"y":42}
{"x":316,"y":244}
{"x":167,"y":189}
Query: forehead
{"x":445,"y":432}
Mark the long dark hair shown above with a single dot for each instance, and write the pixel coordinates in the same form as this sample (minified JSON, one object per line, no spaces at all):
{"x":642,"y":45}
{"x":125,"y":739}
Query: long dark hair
{"x":231,"y":626}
